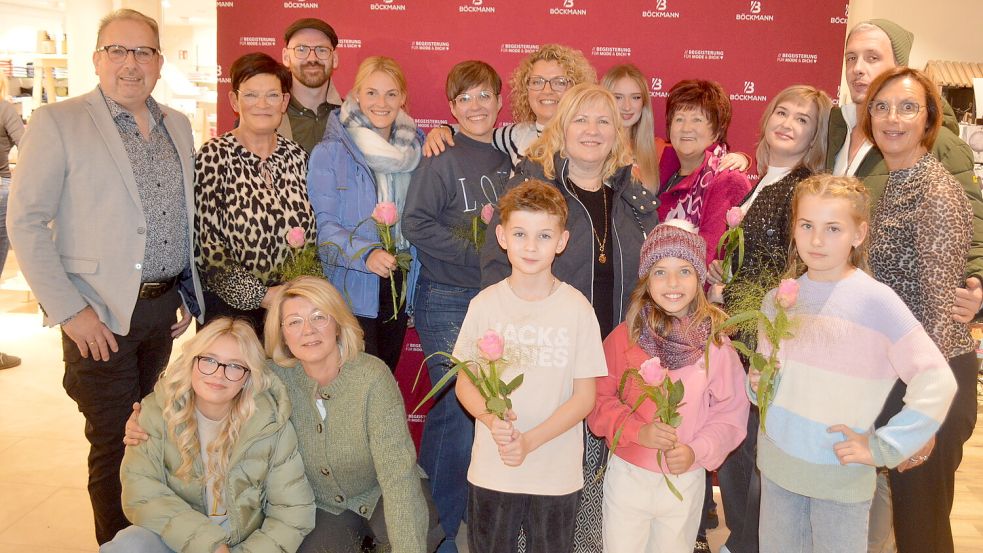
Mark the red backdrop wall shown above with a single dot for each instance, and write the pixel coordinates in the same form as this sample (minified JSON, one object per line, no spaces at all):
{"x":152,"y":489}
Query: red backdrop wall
{"x":754,"y":48}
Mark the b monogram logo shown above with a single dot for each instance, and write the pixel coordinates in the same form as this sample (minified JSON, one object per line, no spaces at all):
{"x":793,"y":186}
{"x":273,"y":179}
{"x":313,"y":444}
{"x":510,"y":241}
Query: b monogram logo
{"x":567,"y":3}
{"x":748,"y":87}
{"x":656,"y":84}
{"x":476,"y":2}
{"x":661,"y":5}
{"x":755,"y":6}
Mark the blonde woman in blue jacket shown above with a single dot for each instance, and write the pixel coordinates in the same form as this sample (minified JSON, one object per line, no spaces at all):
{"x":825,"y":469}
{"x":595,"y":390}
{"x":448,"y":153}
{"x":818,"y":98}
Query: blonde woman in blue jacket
{"x":220,"y":471}
{"x":371,"y":147}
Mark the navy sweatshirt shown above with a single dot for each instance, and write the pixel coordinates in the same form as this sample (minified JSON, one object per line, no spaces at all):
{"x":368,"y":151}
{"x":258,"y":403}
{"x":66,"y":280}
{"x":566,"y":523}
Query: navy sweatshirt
{"x":445,"y":194}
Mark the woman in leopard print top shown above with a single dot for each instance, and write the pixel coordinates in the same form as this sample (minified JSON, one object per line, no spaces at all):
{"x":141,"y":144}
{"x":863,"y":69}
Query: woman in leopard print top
{"x":250,"y":190}
{"x":920,"y":232}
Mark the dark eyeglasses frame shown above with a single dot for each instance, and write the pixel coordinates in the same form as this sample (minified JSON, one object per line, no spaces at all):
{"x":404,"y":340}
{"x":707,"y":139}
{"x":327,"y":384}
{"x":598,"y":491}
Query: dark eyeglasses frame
{"x":326,"y":49}
{"x":220,"y":365}
{"x":139,"y":53}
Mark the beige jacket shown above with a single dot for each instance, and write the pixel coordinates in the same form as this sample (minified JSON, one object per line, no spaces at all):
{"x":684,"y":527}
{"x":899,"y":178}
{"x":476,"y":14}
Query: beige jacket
{"x":74,"y":214}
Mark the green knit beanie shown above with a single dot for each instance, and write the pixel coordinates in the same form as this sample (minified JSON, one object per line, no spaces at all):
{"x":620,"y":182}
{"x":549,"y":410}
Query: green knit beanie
{"x":901,"y":39}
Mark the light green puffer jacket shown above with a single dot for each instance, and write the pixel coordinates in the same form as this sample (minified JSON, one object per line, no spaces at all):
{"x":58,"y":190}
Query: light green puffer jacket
{"x":268,"y":498}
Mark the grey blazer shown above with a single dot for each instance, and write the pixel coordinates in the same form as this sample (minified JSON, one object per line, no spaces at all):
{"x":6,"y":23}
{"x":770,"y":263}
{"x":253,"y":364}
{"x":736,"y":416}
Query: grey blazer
{"x":74,"y":214}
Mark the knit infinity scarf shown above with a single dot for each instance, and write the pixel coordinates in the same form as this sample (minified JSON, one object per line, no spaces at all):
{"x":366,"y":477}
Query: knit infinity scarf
{"x":392,"y":161}
{"x":683,"y":346}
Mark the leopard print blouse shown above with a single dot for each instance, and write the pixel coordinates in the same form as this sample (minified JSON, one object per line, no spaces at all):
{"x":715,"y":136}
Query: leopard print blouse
{"x":245,"y":207}
{"x":920,"y":233}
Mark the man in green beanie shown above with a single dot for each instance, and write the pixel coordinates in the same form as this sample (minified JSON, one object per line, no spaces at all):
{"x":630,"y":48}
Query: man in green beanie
{"x":921,"y":498}
{"x":873,"y":47}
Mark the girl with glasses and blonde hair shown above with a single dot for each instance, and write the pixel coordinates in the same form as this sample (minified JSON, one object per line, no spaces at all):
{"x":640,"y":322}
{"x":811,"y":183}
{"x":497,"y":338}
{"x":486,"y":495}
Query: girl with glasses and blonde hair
{"x":355,"y":447}
{"x":220,"y":469}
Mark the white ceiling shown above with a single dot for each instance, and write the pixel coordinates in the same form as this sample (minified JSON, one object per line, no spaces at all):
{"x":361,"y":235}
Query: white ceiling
{"x":176,"y":12}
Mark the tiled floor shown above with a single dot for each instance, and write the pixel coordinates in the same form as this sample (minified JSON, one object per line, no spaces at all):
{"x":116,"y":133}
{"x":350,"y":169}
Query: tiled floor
{"x":44,"y":507}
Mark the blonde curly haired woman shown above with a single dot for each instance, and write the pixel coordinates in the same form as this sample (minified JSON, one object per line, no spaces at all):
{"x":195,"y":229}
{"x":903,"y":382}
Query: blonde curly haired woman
{"x":220,"y":471}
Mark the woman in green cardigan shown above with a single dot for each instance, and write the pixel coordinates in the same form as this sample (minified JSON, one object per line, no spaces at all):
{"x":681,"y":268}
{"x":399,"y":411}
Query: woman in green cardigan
{"x":219,"y":471}
{"x":351,"y":427}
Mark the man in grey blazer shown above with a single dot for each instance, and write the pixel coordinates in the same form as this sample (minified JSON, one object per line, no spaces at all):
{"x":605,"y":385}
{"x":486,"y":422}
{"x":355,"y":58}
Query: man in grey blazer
{"x":100,"y":215}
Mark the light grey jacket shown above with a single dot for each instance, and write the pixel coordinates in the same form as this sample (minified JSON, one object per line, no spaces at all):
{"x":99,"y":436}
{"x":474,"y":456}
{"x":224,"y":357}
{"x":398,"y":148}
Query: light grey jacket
{"x":74,"y":214}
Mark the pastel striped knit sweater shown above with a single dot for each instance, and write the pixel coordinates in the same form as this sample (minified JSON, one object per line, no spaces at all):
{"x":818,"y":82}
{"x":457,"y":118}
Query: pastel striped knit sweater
{"x":853,"y":339}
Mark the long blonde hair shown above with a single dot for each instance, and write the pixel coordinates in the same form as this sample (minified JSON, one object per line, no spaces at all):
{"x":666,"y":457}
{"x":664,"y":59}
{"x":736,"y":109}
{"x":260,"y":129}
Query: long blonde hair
{"x":325,"y":297}
{"x":641,"y":136}
{"x":814,"y":158}
{"x":179,"y":399}
{"x":831,"y":187}
{"x":573,"y":62}
{"x":553,"y":138}
{"x":661,"y":322}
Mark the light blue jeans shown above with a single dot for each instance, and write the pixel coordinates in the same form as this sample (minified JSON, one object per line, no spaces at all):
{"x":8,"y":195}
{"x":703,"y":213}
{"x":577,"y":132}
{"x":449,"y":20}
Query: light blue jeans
{"x":793,"y":523}
{"x":135,"y":538}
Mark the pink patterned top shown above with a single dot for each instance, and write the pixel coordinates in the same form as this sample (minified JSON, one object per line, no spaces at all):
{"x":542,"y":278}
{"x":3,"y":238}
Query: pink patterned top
{"x":702,"y":197}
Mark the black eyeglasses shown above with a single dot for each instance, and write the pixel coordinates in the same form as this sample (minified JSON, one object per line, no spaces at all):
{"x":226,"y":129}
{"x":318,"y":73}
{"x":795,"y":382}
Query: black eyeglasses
{"x":233,"y":371}
{"x":117,"y":53}
{"x":302,"y":51}
{"x":557,"y":84}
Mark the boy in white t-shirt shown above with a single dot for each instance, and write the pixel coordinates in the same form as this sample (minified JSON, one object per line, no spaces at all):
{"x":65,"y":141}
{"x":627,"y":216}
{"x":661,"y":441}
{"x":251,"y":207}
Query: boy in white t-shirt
{"x":526,"y":472}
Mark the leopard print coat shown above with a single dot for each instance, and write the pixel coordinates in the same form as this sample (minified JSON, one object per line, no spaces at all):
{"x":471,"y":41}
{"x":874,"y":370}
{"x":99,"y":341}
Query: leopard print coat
{"x":244,"y":208}
{"x":920,"y":233}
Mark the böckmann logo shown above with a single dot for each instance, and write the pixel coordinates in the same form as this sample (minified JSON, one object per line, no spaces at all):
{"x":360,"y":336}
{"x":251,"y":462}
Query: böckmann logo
{"x":476,"y":6}
{"x":749,"y":95}
{"x":753,"y":13}
{"x":661,"y":11}
{"x":388,"y":5}
{"x":656,"y":88}
{"x":568,"y":9}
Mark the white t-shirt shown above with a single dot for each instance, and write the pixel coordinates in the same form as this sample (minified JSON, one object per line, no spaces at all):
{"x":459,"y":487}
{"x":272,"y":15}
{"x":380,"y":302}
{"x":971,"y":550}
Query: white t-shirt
{"x":551,"y":342}
{"x":207,"y":433}
{"x":843,"y":166}
{"x":773,"y":175}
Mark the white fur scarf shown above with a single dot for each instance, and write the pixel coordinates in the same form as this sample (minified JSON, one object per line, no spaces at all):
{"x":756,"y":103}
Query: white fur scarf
{"x":392,"y":161}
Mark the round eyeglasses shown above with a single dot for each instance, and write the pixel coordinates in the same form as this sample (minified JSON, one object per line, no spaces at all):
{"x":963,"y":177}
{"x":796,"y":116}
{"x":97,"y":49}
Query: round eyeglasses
{"x":233,"y":371}
{"x":294,"y":324}
{"x":483,"y":98}
{"x":252,"y":98}
{"x":302,"y":51}
{"x":557,"y":84}
{"x":118,"y":53}
{"x":879,"y":109}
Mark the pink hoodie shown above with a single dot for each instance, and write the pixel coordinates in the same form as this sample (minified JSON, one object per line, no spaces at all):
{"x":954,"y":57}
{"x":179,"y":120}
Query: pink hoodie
{"x":714,"y":411}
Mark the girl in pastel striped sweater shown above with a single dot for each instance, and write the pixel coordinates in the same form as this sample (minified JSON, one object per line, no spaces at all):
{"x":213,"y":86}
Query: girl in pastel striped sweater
{"x":853,"y":338}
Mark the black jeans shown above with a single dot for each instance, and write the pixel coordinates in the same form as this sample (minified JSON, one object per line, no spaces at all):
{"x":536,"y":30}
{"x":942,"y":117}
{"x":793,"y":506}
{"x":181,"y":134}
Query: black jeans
{"x":922,"y":497}
{"x":383,"y":334}
{"x":105,"y":392}
{"x":495,"y":518}
{"x":349,"y":532}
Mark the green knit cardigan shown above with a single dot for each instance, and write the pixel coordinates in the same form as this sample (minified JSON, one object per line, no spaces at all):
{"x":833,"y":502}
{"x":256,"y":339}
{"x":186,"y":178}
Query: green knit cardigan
{"x":362,"y":449}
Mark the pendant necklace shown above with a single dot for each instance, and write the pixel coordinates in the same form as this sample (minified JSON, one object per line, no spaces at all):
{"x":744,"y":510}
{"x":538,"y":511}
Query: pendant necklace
{"x":602,"y":258}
